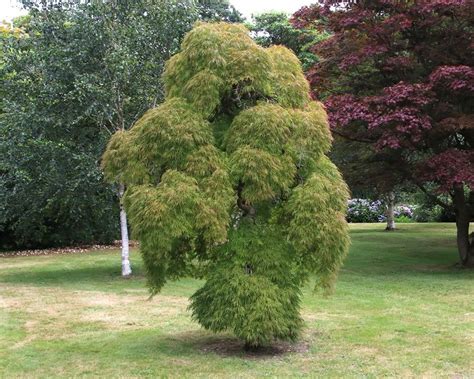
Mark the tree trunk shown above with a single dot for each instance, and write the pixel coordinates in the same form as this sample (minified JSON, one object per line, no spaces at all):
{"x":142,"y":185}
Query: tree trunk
{"x":464,"y":241}
{"x":126,"y":267}
{"x":390,"y":211}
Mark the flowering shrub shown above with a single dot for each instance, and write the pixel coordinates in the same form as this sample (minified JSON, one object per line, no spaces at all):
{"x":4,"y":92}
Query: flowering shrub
{"x":404,"y":211}
{"x":365,"y":210}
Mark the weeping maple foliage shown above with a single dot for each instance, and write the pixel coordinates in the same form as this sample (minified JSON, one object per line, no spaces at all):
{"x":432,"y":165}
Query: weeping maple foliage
{"x":228,"y":181}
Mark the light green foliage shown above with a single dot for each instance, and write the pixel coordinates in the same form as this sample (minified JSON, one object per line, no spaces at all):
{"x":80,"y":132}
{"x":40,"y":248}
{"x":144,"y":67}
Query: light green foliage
{"x":311,"y":137}
{"x":317,"y":226}
{"x":290,"y":85}
{"x":228,"y":180}
{"x":226,"y":55}
{"x":251,"y":289}
{"x":265,"y":126}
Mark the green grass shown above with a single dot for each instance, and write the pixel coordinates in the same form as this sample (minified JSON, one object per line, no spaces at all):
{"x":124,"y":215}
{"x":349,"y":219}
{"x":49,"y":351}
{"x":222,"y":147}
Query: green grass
{"x":401,"y":309}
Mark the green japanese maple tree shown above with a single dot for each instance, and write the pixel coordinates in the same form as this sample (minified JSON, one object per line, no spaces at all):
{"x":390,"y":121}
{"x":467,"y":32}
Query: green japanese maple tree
{"x":228,"y":180}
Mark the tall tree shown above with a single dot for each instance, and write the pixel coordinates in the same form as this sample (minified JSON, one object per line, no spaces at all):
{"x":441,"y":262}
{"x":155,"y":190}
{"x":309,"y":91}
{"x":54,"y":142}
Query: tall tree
{"x":85,"y":71}
{"x":398,"y":77}
{"x":228,"y":180}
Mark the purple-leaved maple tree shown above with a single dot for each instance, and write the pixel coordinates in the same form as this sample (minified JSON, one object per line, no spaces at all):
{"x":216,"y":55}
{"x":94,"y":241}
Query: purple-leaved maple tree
{"x":398,"y":76}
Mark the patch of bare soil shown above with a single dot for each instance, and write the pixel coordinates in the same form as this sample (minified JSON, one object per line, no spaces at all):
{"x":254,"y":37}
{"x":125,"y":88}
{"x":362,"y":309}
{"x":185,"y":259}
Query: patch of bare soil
{"x":231,"y":347}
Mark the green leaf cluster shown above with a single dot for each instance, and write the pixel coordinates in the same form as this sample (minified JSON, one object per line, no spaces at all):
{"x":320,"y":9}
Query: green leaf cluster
{"x":228,"y":180}
{"x":73,"y":72}
{"x":252,"y":289}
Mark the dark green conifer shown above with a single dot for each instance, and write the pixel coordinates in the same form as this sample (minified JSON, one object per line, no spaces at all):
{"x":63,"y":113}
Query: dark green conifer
{"x":228,"y":180}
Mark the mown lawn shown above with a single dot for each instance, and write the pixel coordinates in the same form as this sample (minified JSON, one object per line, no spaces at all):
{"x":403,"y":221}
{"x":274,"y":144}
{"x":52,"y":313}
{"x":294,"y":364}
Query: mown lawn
{"x":401,"y":309}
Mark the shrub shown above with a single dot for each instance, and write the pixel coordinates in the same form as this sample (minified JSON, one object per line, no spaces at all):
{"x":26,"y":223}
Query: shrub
{"x":433,"y":213}
{"x":403,"y":219}
{"x":364,"y":210}
{"x":406,"y":211}
{"x":228,"y":180}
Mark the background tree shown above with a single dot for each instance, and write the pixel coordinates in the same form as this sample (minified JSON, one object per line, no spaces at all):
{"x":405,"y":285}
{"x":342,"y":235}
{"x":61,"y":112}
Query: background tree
{"x":369,"y":174}
{"x":228,"y":180}
{"x":398,"y":77}
{"x":83,"y":72}
{"x":274,"y":28}
{"x":218,"y":10}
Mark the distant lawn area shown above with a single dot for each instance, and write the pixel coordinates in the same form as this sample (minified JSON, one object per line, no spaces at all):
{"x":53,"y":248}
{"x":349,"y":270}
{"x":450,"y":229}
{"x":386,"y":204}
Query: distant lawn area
{"x":401,"y":308}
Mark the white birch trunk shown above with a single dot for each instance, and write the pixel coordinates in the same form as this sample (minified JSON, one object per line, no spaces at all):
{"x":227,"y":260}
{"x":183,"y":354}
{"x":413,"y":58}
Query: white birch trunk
{"x":390,"y":211}
{"x":126,"y":267}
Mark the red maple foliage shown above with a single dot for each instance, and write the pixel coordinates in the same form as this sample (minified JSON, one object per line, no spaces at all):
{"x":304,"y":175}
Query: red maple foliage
{"x":399,"y":76}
